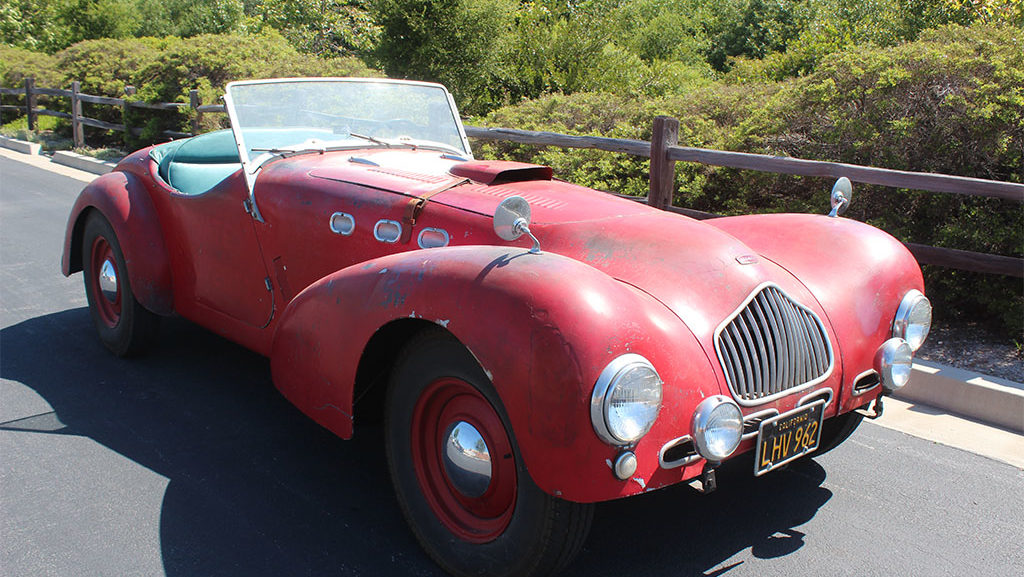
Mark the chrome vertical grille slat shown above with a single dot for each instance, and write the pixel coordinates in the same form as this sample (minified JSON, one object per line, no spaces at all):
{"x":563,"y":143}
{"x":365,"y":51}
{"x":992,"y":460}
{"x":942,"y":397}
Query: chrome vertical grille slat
{"x":772,"y":345}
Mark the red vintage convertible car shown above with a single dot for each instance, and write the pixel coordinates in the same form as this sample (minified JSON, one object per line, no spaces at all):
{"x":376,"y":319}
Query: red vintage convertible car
{"x":534,"y":346}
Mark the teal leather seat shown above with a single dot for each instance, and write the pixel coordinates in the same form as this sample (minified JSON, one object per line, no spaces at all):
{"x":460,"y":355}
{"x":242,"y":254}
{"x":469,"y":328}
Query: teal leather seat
{"x":195,"y":165}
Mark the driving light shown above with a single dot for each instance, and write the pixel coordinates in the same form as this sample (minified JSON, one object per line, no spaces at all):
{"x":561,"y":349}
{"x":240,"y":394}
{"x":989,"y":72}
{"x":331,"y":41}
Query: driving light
{"x":892,"y":363}
{"x":626,"y":400}
{"x":717,"y":427}
{"x":913,"y":319}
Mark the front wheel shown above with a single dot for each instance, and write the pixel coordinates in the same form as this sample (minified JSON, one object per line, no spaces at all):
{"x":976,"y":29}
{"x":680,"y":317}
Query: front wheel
{"x":124,"y":326}
{"x":458,"y":475}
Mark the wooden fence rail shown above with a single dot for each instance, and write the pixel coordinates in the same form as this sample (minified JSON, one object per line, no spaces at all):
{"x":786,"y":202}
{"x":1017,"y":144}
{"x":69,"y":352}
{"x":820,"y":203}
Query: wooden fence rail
{"x":663,"y":151}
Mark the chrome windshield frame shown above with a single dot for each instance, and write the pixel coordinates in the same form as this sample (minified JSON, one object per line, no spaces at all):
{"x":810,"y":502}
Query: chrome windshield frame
{"x":251,"y":169}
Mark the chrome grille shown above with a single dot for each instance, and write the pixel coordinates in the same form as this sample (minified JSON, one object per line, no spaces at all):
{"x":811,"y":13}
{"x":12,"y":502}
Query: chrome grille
{"x":771,"y":345}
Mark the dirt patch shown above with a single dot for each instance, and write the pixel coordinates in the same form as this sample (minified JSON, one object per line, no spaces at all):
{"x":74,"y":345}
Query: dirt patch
{"x":972,"y":347}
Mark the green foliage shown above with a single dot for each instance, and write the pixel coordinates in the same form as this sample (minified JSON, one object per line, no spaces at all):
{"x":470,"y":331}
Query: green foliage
{"x":89,"y":19}
{"x":187,"y":18}
{"x":323,"y":27}
{"x":32,"y":24}
{"x":446,"y":41}
{"x":18,"y":63}
{"x":952,"y":102}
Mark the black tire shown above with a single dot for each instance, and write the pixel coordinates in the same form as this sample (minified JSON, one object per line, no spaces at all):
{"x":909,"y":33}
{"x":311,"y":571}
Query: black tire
{"x":836,"y":430}
{"x":535,"y":534}
{"x":124,"y":326}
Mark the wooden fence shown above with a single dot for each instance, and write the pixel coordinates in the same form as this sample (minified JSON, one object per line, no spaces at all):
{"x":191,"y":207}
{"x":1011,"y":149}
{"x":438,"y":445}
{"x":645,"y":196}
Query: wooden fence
{"x":663,"y":150}
{"x":32,"y":111}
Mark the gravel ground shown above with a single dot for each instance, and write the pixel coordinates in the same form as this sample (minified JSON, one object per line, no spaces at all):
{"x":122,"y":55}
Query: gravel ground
{"x":971,"y":347}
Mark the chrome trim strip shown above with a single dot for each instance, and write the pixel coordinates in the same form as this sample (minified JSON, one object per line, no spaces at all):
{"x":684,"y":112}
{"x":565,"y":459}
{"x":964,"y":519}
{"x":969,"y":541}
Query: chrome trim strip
{"x":441,"y":231}
{"x":769,"y":322}
{"x":379,"y":234}
{"x":345,"y":228}
{"x":809,"y":398}
{"x":680,"y":462}
{"x":853,"y":385}
{"x":763,"y":415}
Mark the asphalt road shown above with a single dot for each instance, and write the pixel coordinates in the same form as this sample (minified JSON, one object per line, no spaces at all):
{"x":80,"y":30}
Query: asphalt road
{"x":188,"y":462}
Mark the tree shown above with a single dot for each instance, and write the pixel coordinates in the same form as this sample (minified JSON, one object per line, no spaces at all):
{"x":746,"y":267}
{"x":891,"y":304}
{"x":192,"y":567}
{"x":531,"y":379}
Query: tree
{"x":446,"y":41}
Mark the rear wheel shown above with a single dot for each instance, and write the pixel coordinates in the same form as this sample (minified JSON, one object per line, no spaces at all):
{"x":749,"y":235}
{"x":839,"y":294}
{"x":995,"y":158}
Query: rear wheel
{"x":124,"y":326}
{"x":458,"y":475}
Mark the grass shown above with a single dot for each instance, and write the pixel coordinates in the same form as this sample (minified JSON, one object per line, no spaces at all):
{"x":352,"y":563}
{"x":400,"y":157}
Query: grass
{"x":51,"y":133}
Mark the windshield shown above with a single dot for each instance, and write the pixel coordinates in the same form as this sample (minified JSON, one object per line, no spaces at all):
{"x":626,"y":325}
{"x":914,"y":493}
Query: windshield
{"x":278,"y":116}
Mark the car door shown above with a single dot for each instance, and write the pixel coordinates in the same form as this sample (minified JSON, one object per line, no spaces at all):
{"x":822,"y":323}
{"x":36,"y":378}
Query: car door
{"x":220,"y":276}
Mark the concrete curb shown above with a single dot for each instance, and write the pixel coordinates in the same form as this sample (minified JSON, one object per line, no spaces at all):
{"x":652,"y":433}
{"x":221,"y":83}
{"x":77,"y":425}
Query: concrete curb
{"x":21,"y":146}
{"x":995,"y":401}
{"x":81,"y":162}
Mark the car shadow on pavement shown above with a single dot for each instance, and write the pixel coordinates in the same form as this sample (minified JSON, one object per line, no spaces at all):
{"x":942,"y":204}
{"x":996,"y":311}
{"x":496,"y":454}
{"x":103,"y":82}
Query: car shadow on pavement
{"x":256,"y":488}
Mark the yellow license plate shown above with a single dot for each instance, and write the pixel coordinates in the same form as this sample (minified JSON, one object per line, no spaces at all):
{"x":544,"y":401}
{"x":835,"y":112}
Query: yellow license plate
{"x":788,"y":436}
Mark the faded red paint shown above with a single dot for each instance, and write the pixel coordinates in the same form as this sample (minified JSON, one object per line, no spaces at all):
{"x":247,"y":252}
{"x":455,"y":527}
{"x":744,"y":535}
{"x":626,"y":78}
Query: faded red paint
{"x":614,"y":277}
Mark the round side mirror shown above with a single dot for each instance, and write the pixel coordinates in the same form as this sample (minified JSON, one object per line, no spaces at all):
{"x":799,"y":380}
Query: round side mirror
{"x":842,"y":193}
{"x":510,"y":218}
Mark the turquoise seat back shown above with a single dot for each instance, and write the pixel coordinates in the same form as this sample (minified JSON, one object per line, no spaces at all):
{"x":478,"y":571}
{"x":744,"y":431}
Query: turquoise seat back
{"x":195,"y":165}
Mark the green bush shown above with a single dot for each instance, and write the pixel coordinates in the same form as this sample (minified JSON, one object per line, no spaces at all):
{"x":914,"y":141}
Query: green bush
{"x":952,"y":102}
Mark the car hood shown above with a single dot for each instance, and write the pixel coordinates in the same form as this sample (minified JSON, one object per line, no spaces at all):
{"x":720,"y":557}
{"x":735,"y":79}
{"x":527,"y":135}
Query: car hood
{"x":701,"y":273}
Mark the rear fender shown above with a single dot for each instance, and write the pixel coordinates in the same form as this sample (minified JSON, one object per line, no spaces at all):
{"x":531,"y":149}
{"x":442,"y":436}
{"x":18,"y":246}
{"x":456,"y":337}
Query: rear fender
{"x":542,"y":328}
{"x":123,"y":200}
{"x":857,"y":273}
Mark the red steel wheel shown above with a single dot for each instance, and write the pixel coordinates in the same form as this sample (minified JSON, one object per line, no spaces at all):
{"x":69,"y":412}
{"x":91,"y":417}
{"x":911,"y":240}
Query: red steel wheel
{"x":472,"y":490}
{"x":103,"y":276}
{"x":124,"y":326}
{"x":458,"y":475}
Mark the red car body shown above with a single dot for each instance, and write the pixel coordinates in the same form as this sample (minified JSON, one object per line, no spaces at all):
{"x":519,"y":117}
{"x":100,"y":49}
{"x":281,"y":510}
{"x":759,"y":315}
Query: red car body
{"x":332,"y":311}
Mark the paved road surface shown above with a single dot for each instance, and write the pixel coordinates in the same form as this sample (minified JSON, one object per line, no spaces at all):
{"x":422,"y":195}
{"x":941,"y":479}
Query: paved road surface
{"x":188,"y":462}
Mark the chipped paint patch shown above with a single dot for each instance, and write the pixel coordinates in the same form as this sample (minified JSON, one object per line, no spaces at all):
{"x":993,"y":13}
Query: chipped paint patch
{"x":333,"y":408}
{"x":383,"y":271}
{"x":443,"y":322}
{"x":609,"y":463}
{"x":640,"y":481}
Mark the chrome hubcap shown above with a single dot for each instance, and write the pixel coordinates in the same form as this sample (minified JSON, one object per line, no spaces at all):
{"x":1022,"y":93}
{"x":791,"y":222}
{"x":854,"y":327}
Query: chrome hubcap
{"x":108,"y":280}
{"x":467,"y":461}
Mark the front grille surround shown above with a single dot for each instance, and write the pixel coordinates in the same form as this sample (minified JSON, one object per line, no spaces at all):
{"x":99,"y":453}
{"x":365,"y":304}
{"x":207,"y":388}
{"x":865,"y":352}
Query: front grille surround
{"x":772,"y":346}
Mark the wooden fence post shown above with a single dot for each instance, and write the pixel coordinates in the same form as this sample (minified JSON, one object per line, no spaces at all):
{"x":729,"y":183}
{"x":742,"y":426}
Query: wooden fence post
{"x":30,"y":102}
{"x":77,"y":133}
{"x":195,"y":102}
{"x":129,"y":91}
{"x":663,"y":170}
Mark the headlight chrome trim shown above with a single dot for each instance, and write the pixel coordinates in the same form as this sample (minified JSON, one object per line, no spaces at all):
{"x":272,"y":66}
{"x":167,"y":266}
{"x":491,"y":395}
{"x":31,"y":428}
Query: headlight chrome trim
{"x":602,"y":389}
{"x":701,"y":419}
{"x":893,"y":362}
{"x":901,"y":323}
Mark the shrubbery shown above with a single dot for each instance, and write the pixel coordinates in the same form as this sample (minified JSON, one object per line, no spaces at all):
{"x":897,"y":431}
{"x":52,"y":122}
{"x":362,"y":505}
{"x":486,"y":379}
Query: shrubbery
{"x":165,"y":70}
{"x":951,"y":103}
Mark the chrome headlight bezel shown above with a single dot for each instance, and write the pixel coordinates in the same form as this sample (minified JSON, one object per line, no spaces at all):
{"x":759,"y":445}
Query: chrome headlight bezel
{"x":913,"y":319}
{"x":611,"y":383}
{"x":709,"y":411}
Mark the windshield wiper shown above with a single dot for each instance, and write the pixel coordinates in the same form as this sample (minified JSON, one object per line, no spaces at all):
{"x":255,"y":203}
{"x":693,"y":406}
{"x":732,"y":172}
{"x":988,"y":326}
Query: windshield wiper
{"x":371,"y":139}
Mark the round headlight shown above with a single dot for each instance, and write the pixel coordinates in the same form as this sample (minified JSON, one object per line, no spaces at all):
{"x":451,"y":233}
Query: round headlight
{"x":913,"y":319}
{"x":626,"y":400}
{"x":892,"y":363}
{"x":717,"y":427}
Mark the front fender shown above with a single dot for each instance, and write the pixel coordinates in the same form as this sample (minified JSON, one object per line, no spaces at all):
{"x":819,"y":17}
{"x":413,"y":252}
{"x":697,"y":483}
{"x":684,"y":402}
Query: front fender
{"x":123,"y":200}
{"x":542,"y":327}
{"x":857,"y":273}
